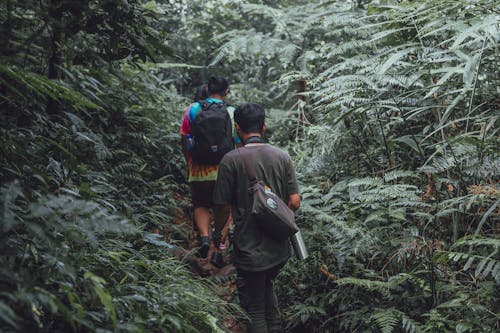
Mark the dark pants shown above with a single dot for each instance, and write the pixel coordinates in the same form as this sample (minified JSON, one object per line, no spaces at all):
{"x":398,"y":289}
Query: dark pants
{"x":257,"y":298}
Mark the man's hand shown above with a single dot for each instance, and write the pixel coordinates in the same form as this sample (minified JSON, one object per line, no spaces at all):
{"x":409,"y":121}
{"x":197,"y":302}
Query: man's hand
{"x":294,"y":201}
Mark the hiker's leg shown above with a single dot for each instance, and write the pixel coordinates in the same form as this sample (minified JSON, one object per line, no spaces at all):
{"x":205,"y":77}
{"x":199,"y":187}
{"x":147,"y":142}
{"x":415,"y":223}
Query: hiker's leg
{"x":251,"y":291}
{"x":201,"y":195}
{"x":272,"y":312}
{"x":202,"y":219}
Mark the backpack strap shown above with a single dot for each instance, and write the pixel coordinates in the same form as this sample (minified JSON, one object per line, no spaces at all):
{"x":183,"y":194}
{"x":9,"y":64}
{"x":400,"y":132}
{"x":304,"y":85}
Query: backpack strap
{"x":204,"y":104}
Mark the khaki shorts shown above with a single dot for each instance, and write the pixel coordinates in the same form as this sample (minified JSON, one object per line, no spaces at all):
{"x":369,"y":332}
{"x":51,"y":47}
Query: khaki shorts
{"x":202,"y":193}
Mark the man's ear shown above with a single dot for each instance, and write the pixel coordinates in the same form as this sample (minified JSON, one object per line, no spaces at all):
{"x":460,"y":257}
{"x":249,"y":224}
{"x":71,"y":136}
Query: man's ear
{"x":237,"y":126}
{"x":264,"y":127}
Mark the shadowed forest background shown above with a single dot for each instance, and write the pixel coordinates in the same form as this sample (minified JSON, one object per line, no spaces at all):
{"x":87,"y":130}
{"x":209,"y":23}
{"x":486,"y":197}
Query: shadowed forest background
{"x":389,"y":110}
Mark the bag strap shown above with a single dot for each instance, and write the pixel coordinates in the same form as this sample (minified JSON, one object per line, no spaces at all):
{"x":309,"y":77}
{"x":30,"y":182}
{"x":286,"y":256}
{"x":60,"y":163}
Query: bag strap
{"x":250,"y":169}
{"x":204,"y":104}
{"x":247,"y":158}
{"x":247,"y":162}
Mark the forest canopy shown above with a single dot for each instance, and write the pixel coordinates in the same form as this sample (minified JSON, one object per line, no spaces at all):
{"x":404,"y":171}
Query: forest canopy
{"x":389,"y":110}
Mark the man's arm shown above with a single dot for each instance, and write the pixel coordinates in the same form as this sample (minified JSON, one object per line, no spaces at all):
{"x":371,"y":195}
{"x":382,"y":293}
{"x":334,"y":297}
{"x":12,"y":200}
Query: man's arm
{"x":221,"y":213}
{"x":186,"y":129}
{"x":294,"y":201}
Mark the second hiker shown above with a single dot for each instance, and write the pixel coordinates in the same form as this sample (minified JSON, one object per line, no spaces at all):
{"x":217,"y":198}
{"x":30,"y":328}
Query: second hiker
{"x":207,"y":134}
{"x":257,"y":256}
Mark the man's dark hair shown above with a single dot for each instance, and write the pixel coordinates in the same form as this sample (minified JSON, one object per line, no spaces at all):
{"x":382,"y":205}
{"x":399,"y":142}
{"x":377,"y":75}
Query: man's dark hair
{"x":201,"y":93}
{"x":250,"y":117}
{"x":217,"y":85}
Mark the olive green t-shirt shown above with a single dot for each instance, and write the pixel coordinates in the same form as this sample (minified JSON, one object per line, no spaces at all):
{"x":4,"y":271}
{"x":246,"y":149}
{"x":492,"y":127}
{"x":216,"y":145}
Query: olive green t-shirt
{"x":252,"y":249}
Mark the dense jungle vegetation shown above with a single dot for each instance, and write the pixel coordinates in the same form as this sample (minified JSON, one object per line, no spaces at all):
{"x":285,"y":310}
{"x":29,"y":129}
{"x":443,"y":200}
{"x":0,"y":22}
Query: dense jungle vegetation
{"x":388,"y":108}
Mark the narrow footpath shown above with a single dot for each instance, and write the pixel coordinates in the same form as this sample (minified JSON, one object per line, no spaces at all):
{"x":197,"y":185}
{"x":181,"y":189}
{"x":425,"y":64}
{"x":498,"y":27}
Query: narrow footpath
{"x":224,"y":277}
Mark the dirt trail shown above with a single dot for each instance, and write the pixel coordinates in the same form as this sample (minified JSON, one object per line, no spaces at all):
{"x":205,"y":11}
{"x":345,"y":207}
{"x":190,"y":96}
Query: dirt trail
{"x":224,"y":277}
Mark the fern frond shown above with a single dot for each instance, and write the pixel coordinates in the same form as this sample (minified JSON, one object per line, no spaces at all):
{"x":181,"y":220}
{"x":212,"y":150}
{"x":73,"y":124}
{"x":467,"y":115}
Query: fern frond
{"x":409,"y":325}
{"x":42,"y":87}
{"x":125,"y":167}
{"x":388,"y":193}
{"x":368,"y":181}
{"x":398,"y":174}
{"x":386,"y":319}
{"x":370,"y":285}
{"x":305,"y":311}
{"x":477,"y":241}
{"x":383,"y":287}
{"x":485,"y":266}
{"x":253,"y":44}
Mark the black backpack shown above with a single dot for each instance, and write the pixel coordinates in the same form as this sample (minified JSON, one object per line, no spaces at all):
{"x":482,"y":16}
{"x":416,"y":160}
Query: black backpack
{"x":212,"y":133}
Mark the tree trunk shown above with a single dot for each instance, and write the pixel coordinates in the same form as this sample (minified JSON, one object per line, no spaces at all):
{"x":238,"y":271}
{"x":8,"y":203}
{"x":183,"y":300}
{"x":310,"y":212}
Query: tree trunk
{"x":55,"y":59}
{"x":5,"y":39}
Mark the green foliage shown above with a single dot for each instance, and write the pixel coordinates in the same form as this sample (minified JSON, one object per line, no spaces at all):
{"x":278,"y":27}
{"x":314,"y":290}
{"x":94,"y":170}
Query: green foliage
{"x":93,"y":272}
{"x":399,"y":154}
{"x":89,"y":161}
{"x":19,"y":82}
{"x":485,"y":265}
{"x":386,"y":320}
{"x":389,"y":110}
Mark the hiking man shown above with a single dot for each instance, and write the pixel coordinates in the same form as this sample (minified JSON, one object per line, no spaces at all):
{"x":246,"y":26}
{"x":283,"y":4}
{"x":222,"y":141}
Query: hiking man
{"x":257,"y":257}
{"x":207,"y":134}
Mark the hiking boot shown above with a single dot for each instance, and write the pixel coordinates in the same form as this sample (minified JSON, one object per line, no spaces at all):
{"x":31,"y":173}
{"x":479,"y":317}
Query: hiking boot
{"x":204,"y":247}
{"x":217,"y":260}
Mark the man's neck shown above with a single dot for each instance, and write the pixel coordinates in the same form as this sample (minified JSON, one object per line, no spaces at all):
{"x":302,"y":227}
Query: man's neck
{"x":246,"y":136}
{"x":217,"y":96}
